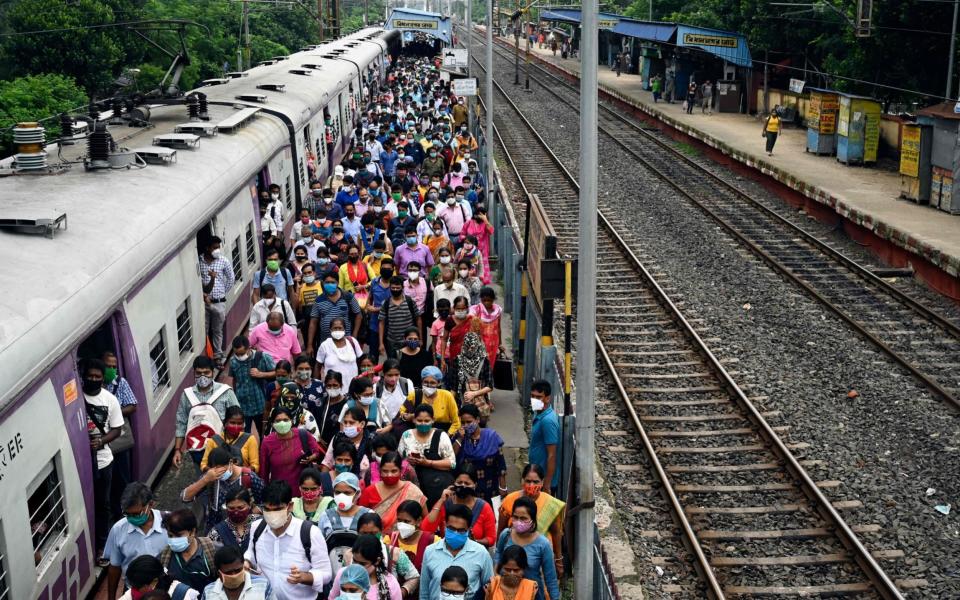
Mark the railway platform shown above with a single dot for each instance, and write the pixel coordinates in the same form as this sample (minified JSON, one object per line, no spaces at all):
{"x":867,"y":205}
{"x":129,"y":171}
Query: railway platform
{"x":865,"y":201}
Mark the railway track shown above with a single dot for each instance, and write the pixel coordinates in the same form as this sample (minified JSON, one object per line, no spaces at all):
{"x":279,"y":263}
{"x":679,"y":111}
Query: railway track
{"x":752,"y":519}
{"x":924,"y":342}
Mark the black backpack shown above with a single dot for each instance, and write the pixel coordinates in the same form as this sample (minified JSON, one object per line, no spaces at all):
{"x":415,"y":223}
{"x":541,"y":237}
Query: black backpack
{"x":235,"y":448}
{"x":433,"y":481}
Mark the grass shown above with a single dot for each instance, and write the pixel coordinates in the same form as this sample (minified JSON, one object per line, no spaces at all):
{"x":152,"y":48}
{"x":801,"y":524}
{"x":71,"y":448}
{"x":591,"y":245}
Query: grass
{"x":687,"y":149}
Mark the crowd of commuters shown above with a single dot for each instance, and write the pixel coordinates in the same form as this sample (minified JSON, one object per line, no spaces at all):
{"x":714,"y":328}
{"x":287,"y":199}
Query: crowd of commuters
{"x":344,"y":449}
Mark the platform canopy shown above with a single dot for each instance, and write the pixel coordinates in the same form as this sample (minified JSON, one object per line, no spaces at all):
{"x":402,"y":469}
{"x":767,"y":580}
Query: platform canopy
{"x":731,"y":47}
{"x":429,"y":23}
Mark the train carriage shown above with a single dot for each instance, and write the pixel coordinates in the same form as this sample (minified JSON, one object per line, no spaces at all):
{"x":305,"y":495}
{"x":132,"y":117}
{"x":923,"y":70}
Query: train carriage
{"x":121,"y":274}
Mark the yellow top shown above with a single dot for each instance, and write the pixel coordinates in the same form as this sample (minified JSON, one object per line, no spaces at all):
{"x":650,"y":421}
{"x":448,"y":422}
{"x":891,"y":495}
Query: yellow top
{"x":444,"y":409}
{"x":250,"y":452}
{"x":374,"y":263}
{"x":773,"y":124}
{"x":308,"y":293}
{"x":346,"y":284}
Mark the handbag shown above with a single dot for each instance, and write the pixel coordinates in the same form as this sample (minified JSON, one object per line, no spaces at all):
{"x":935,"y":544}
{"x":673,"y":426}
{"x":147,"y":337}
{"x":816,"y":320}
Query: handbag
{"x":503,"y":373}
{"x":125,"y":441}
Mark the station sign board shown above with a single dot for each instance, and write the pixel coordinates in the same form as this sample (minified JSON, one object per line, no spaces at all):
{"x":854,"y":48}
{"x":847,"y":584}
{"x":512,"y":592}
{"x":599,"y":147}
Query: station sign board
{"x":701,"y":39}
{"x":910,"y":150}
{"x":455,"y":57}
{"x":545,"y":268}
{"x":410,"y":24}
{"x":464,"y":87}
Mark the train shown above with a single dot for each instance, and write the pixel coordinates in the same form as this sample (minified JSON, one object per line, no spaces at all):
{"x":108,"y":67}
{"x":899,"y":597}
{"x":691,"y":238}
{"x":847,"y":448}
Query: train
{"x":98,"y":259}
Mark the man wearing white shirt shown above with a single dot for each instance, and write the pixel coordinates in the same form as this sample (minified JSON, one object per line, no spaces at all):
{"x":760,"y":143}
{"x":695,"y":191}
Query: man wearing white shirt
{"x":449,"y":288}
{"x":275,"y":207}
{"x":373,"y":147}
{"x":104,"y":424}
{"x":278,"y":548}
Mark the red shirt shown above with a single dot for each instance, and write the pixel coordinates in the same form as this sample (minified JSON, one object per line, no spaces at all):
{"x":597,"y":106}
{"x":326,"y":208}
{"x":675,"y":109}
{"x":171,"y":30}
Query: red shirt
{"x":483,"y":530}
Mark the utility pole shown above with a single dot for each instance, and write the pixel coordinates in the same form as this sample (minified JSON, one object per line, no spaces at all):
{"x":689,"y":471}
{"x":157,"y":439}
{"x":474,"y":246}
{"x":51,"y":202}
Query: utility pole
{"x":766,"y":81}
{"x":952,"y":57}
{"x":471,"y":102}
{"x":516,"y":42}
{"x":365,"y":13}
{"x":489,"y":102}
{"x":587,"y":300}
{"x":246,"y":35}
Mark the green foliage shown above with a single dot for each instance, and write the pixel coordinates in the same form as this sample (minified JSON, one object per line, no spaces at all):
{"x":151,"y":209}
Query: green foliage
{"x":33,"y":98}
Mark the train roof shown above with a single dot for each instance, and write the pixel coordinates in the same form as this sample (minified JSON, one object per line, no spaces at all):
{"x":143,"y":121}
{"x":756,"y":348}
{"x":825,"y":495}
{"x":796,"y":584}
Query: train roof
{"x":123,"y":224}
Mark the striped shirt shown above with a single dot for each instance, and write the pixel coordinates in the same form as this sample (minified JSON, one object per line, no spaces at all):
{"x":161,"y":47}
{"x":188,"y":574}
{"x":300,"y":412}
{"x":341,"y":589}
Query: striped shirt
{"x":327,"y":310}
{"x":398,"y":318}
{"x":224,"y":280}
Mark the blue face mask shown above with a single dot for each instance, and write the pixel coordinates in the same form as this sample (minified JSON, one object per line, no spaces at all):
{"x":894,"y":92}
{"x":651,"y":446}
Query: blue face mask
{"x":323,"y":261}
{"x":330,"y":289}
{"x":455,"y":539}
{"x":179,"y":544}
{"x":340,"y":468}
{"x":412,"y":240}
{"x":226,"y":475}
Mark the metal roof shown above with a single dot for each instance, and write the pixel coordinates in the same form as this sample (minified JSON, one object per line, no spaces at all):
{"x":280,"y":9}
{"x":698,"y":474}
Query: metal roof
{"x":125,"y":223}
{"x":429,"y":23}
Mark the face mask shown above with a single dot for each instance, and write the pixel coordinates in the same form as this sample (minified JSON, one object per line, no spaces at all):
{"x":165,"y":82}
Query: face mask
{"x":412,"y":344}
{"x":351,"y":431}
{"x":233,"y":430}
{"x":433,"y":155}
{"x":424,"y":427}
{"x":275,"y":518}
{"x":444,"y":260}
{"x":463,"y":491}
{"x":275,"y":196}
{"x":341,"y":468}
{"x":406,"y":529}
{"x":536,"y":404}
{"x":311,"y":495}
{"x":532,"y":489}
{"x":273,"y":265}
{"x":471,"y":428}
{"x":309,"y":278}
{"x":333,"y":392}
{"x":522,"y":526}
{"x":276,"y":331}
{"x":91,"y":388}
{"x":461,"y":314}
{"x":403,"y":215}
{"x":451,"y":201}
{"x":351,"y":595}
{"x":386,"y":274}
{"x":139,"y":520}
{"x":328,"y":200}
{"x":227,"y":475}
{"x":178,"y":544}
{"x":450,"y":596}
{"x":353,"y":259}
{"x":343,"y":501}
{"x":396,"y":293}
{"x":329,"y":288}
{"x":464,"y":273}
{"x":204,"y":382}
{"x":238,"y":515}
{"x":304,"y":374}
{"x":324,"y":261}
{"x":455,"y":539}
{"x":412,"y":240}
{"x":283,"y":427}
{"x":218,"y":253}
{"x":234,"y":581}
{"x":109,"y":375}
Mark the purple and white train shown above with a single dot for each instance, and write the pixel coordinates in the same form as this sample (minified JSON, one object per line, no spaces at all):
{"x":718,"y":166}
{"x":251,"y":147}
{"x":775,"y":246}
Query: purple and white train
{"x":124,"y":277}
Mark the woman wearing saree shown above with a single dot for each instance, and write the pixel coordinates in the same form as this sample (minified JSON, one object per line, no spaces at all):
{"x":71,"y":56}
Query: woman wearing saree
{"x":481,"y":229}
{"x":386,"y":495}
{"x":550,"y":510}
{"x":454,"y":332}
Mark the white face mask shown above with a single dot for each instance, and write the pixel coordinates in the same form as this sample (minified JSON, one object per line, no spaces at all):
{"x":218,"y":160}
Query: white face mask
{"x":444,"y":260}
{"x":414,"y":275}
{"x":451,"y":201}
{"x":338,"y":334}
{"x":429,"y":391}
{"x":243,"y":358}
{"x":406,"y":529}
{"x":343,"y":501}
{"x":351,"y":595}
{"x":218,"y":253}
{"x":449,"y":596}
{"x":461,"y":314}
{"x":275,"y":518}
{"x":464,"y":273}
{"x":367,"y":400}
{"x":536,"y":404}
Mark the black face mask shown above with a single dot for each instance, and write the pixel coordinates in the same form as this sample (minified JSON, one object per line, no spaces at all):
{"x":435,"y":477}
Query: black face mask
{"x":396,"y":293}
{"x":91,"y":388}
{"x":386,"y":274}
{"x":463,"y":491}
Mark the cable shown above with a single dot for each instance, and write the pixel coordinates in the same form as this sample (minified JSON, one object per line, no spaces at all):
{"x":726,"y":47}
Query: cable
{"x":827,"y":22}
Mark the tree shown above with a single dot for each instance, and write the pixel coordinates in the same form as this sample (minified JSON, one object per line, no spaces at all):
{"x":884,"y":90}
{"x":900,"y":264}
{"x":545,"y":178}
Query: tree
{"x":33,"y":98}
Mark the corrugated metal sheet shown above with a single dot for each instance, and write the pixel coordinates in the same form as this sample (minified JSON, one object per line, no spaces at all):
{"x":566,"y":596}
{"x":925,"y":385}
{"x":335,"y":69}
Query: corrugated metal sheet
{"x":732,"y":47}
{"x":440,"y":27}
{"x":644,"y":30}
{"x":570,"y":15}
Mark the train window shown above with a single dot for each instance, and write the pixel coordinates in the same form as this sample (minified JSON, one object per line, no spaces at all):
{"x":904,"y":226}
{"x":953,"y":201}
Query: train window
{"x":251,"y":244}
{"x":48,"y":521}
{"x":160,"y":367}
{"x":288,"y":192}
{"x":4,"y":586}
{"x":237,"y":259}
{"x":184,"y":331}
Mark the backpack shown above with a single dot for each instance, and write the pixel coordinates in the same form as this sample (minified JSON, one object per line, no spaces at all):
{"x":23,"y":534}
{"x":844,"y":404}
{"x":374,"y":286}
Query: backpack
{"x":477,"y":508}
{"x":403,"y":387}
{"x":235,"y":449}
{"x":340,"y":540}
{"x":180,"y":591}
{"x":203,"y":420}
{"x":433,"y":481}
{"x":305,"y":541}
